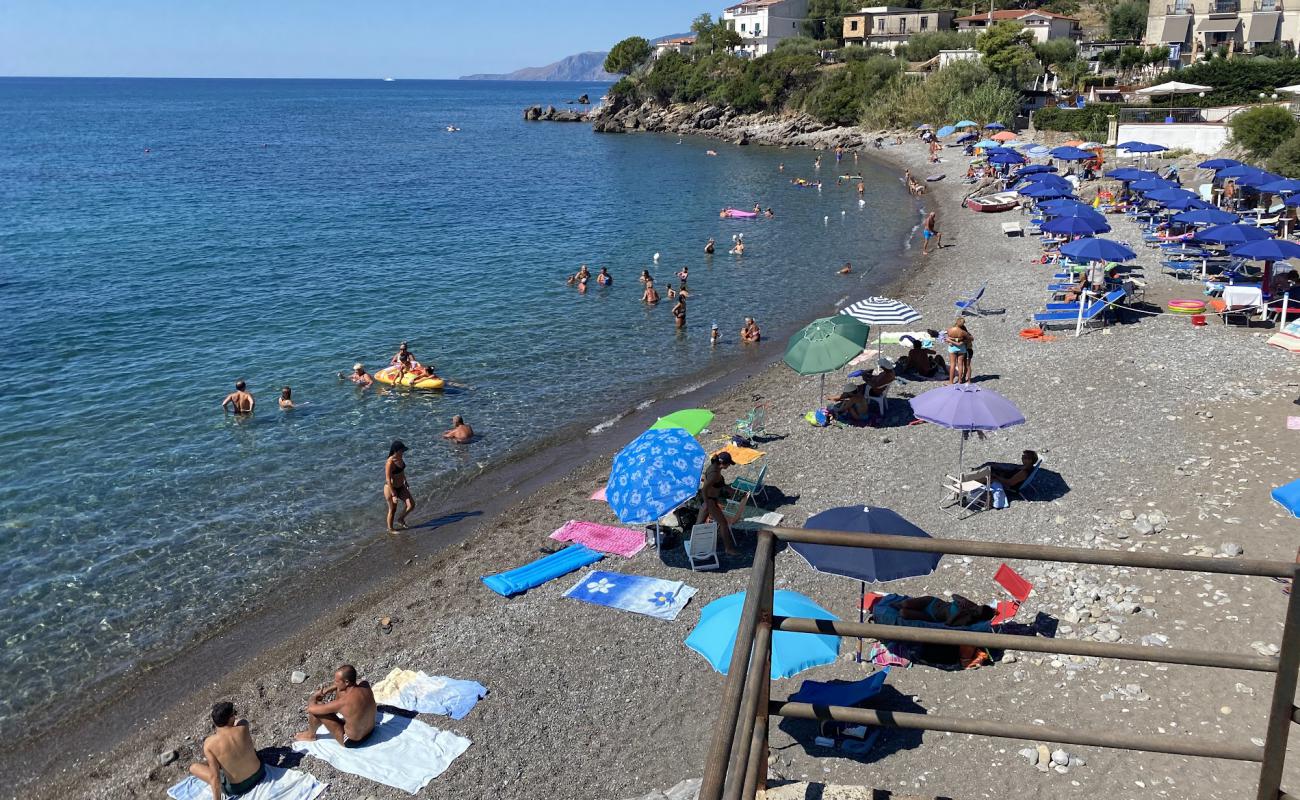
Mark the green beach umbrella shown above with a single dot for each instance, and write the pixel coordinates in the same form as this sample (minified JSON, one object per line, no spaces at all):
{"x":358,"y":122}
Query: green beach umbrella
{"x":692,"y":420}
{"x":825,"y":345}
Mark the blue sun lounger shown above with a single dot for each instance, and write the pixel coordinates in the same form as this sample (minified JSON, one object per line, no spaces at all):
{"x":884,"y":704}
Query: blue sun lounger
{"x":521,"y":579}
{"x":1093,"y":310}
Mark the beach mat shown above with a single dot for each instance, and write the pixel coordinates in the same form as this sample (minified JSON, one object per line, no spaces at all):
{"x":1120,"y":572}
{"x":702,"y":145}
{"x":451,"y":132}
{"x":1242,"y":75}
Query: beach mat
{"x":414,"y":690}
{"x":279,"y":784}
{"x":740,"y":455}
{"x":403,"y":753}
{"x":653,"y":597}
{"x":521,"y":579}
{"x":623,"y":542}
{"x":820,"y":693}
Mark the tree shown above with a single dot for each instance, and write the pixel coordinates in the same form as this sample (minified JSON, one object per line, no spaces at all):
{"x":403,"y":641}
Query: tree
{"x":825,"y":18}
{"x":1157,"y":55}
{"x":1128,"y":20}
{"x":988,"y":101}
{"x":713,"y":37}
{"x":925,"y":46}
{"x":1071,"y":74}
{"x":1263,"y":129}
{"x":1056,"y":51}
{"x":627,"y":55}
{"x":1007,"y":51}
{"x":1286,"y":159}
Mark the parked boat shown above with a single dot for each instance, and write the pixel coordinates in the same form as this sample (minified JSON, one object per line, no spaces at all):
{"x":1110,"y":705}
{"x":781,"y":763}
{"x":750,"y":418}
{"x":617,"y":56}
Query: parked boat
{"x":991,"y":203}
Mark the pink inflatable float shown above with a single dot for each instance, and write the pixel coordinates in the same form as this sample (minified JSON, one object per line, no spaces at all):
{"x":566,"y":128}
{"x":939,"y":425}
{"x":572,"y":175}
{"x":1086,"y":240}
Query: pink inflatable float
{"x":736,"y":213}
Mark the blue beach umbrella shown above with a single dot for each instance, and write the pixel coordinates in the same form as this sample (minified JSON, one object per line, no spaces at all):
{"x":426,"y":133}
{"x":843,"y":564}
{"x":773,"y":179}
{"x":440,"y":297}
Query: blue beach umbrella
{"x":1204,"y":216}
{"x":945,"y":131}
{"x":1239,"y":171}
{"x":1141,"y":147}
{"x":1097,"y":250}
{"x":968,"y":138}
{"x":715,"y":635}
{"x":1072,"y":154}
{"x":1082,"y":211}
{"x":1293,"y":200}
{"x":965,"y":124}
{"x":986,"y":143}
{"x":654,"y":474}
{"x":995,"y":126}
{"x":1040,"y":177}
{"x":1075,"y":226}
{"x":1045,"y":192}
{"x":1166,"y":197}
{"x":1063,"y":207}
{"x":1006,"y":158}
{"x":1267,"y":250}
{"x":1184,"y":203}
{"x":1152,"y":185}
{"x":1258,"y":180}
{"x":1281,"y":187}
{"x":1130,"y":174}
{"x":1036,"y":169}
{"x":1219,"y":163}
{"x":1288,"y":496}
{"x":1231,"y":234}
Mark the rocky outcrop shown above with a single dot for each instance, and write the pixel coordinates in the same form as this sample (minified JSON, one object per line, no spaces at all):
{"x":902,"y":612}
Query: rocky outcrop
{"x":553,"y":114}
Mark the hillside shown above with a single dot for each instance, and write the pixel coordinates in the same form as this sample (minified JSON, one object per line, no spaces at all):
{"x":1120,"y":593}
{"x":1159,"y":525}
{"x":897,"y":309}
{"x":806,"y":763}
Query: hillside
{"x":581,"y":67}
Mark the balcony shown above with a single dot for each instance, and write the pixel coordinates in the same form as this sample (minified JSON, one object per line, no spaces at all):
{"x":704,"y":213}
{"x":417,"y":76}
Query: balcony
{"x":1179,"y":8}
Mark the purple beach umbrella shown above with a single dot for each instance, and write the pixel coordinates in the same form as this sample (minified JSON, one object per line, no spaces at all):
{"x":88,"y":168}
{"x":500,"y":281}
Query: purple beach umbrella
{"x":966,"y":407}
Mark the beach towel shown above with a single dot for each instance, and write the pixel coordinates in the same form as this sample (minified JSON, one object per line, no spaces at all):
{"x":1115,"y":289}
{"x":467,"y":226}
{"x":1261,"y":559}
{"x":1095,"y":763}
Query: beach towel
{"x":599,"y":494}
{"x":623,"y":542}
{"x":765,"y":518}
{"x":653,"y":597}
{"x":403,"y":753}
{"x":428,"y":694}
{"x":740,"y":455}
{"x":820,"y":693}
{"x":521,"y":579}
{"x":279,"y":784}
{"x":1288,"y":338}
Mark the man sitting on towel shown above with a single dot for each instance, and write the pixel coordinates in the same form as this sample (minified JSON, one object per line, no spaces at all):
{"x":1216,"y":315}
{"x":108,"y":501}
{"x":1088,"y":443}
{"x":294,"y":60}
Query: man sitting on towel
{"x":346,"y":709}
{"x":233,"y":766}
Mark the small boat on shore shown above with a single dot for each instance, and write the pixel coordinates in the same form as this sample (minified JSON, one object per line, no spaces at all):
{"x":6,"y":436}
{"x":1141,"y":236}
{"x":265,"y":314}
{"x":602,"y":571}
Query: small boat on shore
{"x":388,"y":375}
{"x":992,"y":203}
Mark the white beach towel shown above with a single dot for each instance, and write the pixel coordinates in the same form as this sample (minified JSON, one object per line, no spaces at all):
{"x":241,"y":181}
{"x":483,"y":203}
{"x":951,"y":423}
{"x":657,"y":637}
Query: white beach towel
{"x":403,"y":753}
{"x":279,"y":784}
{"x":766,"y":518}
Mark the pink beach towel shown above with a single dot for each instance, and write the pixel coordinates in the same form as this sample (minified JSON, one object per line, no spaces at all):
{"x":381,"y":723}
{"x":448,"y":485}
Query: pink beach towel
{"x":599,"y":494}
{"x":618,"y":541}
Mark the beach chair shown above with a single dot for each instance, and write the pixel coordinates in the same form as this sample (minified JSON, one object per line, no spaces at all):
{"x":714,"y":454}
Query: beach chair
{"x":1093,"y":312}
{"x":881,"y":400}
{"x":962,"y":499}
{"x":702,"y":548}
{"x":1017,"y":587}
{"x":971,"y":304}
{"x":750,"y":484}
{"x":1026,"y":490}
{"x":752,"y":424}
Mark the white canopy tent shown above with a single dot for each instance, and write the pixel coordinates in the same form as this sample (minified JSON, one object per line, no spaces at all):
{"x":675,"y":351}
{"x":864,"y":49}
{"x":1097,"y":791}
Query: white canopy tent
{"x":1172,"y":88}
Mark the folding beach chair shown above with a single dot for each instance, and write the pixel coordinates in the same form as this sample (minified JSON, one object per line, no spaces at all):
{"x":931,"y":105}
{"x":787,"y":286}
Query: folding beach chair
{"x":752,"y":424}
{"x":746,"y":486}
{"x":971,"y":304}
{"x":1026,"y":490}
{"x":1017,"y":587}
{"x":962,"y":499}
{"x":702,"y":548}
{"x":881,"y":400}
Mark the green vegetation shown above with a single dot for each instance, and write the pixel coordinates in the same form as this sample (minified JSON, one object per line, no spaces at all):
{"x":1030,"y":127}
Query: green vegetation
{"x":713,"y":37}
{"x":1262,"y":130}
{"x":1086,"y":123}
{"x":627,"y":55}
{"x":1236,"y":80}
{"x":925,"y":46}
{"x":1286,"y":159}
{"x":1128,"y":20}
{"x":1008,"y":52}
{"x":825,"y":19}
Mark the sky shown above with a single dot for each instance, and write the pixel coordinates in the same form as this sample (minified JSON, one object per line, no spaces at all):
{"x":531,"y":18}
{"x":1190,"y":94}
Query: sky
{"x":320,"y":38}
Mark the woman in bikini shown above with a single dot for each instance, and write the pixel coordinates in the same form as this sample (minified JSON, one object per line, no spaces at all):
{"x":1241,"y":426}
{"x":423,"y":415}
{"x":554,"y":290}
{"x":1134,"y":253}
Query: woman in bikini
{"x":958,"y":341}
{"x":395,"y":487}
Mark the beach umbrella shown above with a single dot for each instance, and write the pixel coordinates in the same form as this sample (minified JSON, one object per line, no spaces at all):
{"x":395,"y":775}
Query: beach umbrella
{"x":1259,"y":180}
{"x":1219,"y":163}
{"x":986,"y":143}
{"x":1168,"y":195}
{"x":994,"y":126}
{"x":1045,"y":191}
{"x":1036,"y":169}
{"x":1173,"y":88}
{"x":1130,"y":174}
{"x":1039,"y":177}
{"x":1152,"y":185}
{"x":1267,"y":250}
{"x":1288,"y":496}
{"x":1289,"y":186}
{"x":825,"y":345}
{"x":1059,"y":207}
{"x":882,"y":311}
{"x":1003,"y":136}
{"x":1035,"y":150}
{"x":1184,"y":203}
{"x":654,"y":474}
{"x":1204,"y":216}
{"x":863,"y":564}
{"x":1006,"y":158}
{"x":946,"y":130}
{"x":1141,"y":147}
{"x":967,"y":407}
{"x":965,"y":124}
{"x":1071,"y":154}
{"x":1239,"y":171}
{"x":1091,"y":146}
{"x":1231,"y":234}
{"x":1097,"y":250}
{"x":691,"y":420}
{"x":715,"y":635}
{"x":1293,"y":200}
{"x":970,"y":137}
{"x":1292,"y":89}
{"x":1072,"y":143}
{"x":1075,"y":226}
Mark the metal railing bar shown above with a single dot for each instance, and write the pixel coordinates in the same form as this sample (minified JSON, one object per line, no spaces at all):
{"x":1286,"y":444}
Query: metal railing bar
{"x":1035,"y":644}
{"x":1040,"y":552}
{"x":1282,"y":707}
{"x":756,"y":774}
{"x":754,"y":677}
{"x":715,"y":765}
{"x":1295,"y":714}
{"x":1198,"y":747}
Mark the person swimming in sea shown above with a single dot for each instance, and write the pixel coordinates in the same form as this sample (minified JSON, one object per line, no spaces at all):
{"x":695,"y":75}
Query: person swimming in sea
{"x":738,"y":249}
{"x":847,"y":269}
{"x":359,"y":376}
{"x":404,"y":360}
{"x":239,"y":401}
{"x":645,"y":277}
{"x":651,"y":295}
{"x":708,"y":247}
{"x":758,"y":209}
{"x":670,"y":291}
{"x":683,"y":274}
{"x":460,"y":432}
{"x":604,"y":278}
{"x":769,"y":213}
{"x":286,"y":398}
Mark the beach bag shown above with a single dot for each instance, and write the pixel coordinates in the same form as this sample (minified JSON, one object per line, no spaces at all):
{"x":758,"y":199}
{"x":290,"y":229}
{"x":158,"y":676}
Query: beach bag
{"x":819,"y":417}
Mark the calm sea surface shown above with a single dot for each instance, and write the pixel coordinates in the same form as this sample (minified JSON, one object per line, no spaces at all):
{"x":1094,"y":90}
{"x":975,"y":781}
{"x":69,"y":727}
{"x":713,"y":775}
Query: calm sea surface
{"x":161,"y":238}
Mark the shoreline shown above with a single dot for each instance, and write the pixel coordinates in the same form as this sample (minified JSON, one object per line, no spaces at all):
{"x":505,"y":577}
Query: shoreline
{"x":245,"y":645}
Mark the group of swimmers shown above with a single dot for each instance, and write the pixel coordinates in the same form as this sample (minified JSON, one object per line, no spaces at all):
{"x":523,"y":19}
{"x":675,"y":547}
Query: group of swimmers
{"x":583,"y":275}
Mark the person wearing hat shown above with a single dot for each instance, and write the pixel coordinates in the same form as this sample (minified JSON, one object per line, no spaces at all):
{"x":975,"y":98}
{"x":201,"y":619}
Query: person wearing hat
{"x":359,"y":376}
{"x":850,"y":405}
{"x":880,"y":380}
{"x":712,"y":485}
{"x":750,"y":333}
{"x":395,"y":486}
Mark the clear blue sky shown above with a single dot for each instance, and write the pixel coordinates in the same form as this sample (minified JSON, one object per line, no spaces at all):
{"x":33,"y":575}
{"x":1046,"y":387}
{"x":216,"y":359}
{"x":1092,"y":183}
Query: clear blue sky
{"x":320,"y":38}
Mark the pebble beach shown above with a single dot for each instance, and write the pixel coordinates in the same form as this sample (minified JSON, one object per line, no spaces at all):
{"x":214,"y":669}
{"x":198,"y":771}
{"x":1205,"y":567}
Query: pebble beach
{"x":1157,"y":436}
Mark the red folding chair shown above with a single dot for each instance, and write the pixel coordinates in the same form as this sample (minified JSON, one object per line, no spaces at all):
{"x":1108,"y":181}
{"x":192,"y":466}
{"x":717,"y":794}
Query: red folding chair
{"x":1017,"y":587}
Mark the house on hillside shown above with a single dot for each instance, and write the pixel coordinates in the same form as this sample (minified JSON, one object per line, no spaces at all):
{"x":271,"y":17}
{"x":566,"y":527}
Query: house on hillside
{"x":1193,"y":27}
{"x":1043,"y":25}
{"x":889,"y":26}
{"x":680,"y":44}
{"x":763,"y":23}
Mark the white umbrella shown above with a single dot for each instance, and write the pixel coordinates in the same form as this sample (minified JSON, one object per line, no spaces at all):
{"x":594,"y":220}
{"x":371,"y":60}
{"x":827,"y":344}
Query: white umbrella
{"x":1172,"y":88}
{"x":1292,"y":89}
{"x":878,"y":311}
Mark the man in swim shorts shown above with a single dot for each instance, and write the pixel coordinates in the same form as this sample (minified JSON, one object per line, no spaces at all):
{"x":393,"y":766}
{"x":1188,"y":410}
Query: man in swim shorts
{"x":345,"y":707}
{"x":460,"y":432}
{"x":930,"y":230}
{"x":239,"y":401}
{"x":233,"y":767}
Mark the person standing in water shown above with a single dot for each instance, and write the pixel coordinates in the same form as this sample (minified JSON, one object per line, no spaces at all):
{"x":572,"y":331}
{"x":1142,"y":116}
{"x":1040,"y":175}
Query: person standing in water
{"x":651,"y":294}
{"x":395,"y":486}
{"x":239,"y":401}
{"x":286,"y":398}
{"x":604,"y":278}
{"x":708,"y":247}
{"x":359,"y":376}
{"x":460,"y":432}
{"x":930,"y":230}
{"x":679,"y":313}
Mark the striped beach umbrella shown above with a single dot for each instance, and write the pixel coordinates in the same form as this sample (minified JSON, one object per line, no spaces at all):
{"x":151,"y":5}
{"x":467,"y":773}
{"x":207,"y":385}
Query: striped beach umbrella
{"x":882,"y":311}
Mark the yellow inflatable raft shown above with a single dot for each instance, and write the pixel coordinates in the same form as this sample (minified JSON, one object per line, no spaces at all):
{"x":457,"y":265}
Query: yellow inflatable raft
{"x":388,"y":375}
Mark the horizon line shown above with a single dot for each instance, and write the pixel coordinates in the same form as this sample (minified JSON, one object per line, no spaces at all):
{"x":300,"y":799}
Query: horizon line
{"x":382,"y":79}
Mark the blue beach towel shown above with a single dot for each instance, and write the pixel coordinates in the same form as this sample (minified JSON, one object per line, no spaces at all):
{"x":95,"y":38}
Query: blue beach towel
{"x":653,"y":597}
{"x":521,"y":579}
{"x":820,"y":693}
{"x":1288,"y":497}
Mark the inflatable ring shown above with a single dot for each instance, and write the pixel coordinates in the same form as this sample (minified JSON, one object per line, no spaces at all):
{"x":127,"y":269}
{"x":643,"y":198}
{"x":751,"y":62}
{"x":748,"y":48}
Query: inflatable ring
{"x":1186,"y":306}
{"x":1031,"y":333}
{"x":388,"y":375}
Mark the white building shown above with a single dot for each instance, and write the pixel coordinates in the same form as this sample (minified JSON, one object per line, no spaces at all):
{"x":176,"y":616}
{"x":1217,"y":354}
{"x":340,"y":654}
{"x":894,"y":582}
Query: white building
{"x":763,"y":23}
{"x":1043,"y":25}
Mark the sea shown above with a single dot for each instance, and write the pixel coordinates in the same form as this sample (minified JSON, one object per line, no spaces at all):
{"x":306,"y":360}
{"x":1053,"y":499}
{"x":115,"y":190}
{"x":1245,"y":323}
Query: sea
{"x":161,"y":239}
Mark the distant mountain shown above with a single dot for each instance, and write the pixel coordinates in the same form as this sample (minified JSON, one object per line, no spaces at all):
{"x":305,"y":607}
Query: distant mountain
{"x":586,"y":67}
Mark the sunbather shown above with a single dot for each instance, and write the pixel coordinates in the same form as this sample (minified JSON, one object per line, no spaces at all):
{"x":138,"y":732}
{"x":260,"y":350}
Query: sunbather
{"x":879,"y":381}
{"x":922,"y":360}
{"x":1010,"y":477}
{"x":233,"y":767}
{"x":712,"y":485}
{"x":958,"y":612}
{"x":850,"y":405}
{"x":345,"y":707}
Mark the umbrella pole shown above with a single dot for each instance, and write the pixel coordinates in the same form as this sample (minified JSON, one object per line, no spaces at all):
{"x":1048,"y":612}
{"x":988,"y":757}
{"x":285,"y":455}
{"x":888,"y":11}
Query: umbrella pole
{"x":821,"y":393}
{"x":961,"y":456}
{"x":862,"y":601}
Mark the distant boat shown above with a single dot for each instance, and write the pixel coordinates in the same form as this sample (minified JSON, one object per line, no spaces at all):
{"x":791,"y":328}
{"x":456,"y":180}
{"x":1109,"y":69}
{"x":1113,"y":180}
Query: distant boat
{"x":452,"y":129}
{"x":389,"y":80}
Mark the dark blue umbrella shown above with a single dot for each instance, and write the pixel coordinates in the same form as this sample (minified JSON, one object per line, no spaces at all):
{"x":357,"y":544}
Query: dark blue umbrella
{"x":1231,"y":234}
{"x":1184,"y":203}
{"x":1082,"y":211}
{"x":1293,"y":200}
{"x":1072,"y":154}
{"x":1204,"y":216}
{"x":1040,"y":177}
{"x":1281,"y":187}
{"x":1219,"y":163}
{"x":1097,"y":250}
{"x":1164,"y":196}
{"x":1140,"y":147}
{"x":1045,"y":191}
{"x":1152,"y":185}
{"x":1239,"y":171}
{"x":1267,"y":250}
{"x":1034,"y":169}
{"x":863,"y":563}
{"x":1258,"y":180}
{"x":1130,"y":174}
{"x":970,"y":137}
{"x":1006,"y":158}
{"x":1055,"y":207}
{"x":1075,"y":226}
{"x":995,"y":126}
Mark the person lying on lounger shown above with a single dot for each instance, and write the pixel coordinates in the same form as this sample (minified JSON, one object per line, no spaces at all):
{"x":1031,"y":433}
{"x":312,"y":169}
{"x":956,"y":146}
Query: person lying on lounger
{"x":345,"y":707}
{"x":959,"y":612}
{"x":1009,"y":477}
{"x":233,"y":766}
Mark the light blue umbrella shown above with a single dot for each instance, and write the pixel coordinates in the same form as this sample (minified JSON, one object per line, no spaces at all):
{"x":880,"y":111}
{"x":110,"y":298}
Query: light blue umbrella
{"x":946,"y":130}
{"x":715,"y":636}
{"x":1288,"y":497}
{"x":986,"y":143}
{"x":654,"y":474}
{"x":965,"y":124}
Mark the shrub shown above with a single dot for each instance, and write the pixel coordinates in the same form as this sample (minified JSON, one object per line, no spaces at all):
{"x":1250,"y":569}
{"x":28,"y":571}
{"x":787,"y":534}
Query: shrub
{"x":1237,"y":80}
{"x":988,"y":102}
{"x":925,"y":46}
{"x":1261,"y":130}
{"x":1082,"y":121}
{"x":1286,"y":158}
{"x":840,"y":95}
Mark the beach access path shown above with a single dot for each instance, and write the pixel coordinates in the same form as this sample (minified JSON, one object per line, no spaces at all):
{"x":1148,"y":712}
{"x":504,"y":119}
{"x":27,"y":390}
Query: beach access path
{"x":590,"y":703}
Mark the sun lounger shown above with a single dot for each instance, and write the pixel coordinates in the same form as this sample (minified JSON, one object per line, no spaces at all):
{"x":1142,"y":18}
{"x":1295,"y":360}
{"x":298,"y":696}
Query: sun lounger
{"x":1026,"y":490}
{"x":521,"y":579}
{"x":279,"y":784}
{"x":403,"y":753}
{"x":1093,"y":311}
{"x":820,"y":693}
{"x":971,"y":304}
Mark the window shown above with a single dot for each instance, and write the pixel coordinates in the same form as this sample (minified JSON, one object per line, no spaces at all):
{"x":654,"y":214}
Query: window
{"x":902,"y":24}
{"x":925,"y":23}
{"x":742,"y":26}
{"x":853,"y":25}
{"x":757,"y":29}
{"x":880,"y":24}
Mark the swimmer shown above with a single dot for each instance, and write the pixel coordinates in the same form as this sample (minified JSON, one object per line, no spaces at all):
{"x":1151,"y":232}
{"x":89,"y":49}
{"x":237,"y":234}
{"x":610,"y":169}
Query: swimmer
{"x":681,"y":291}
{"x":683,"y":274}
{"x":708,"y":247}
{"x":460,"y":432}
{"x":239,"y":401}
{"x":770,"y":214}
{"x":750,"y":332}
{"x":670,"y":291}
{"x":758,"y":209}
{"x":739,"y":249}
{"x":847,"y":269}
{"x":862,"y":188}
{"x":679,"y":313}
{"x":404,"y":361}
{"x":359,"y":376}
{"x":780,"y":167}
{"x":818,"y":163}
{"x":714,"y":335}
{"x":645,"y":277}
{"x":710,"y":152}
{"x":722,"y":214}
{"x":651,"y":295}
{"x":582,"y":286}
{"x":604,"y":278}
{"x":286,"y":398}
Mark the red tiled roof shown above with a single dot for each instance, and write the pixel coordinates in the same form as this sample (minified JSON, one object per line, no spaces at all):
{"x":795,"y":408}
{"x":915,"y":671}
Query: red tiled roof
{"x":1015,"y":13}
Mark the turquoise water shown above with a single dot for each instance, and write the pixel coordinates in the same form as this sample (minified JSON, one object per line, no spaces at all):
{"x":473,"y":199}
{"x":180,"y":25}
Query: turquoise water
{"x":161,"y":238}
